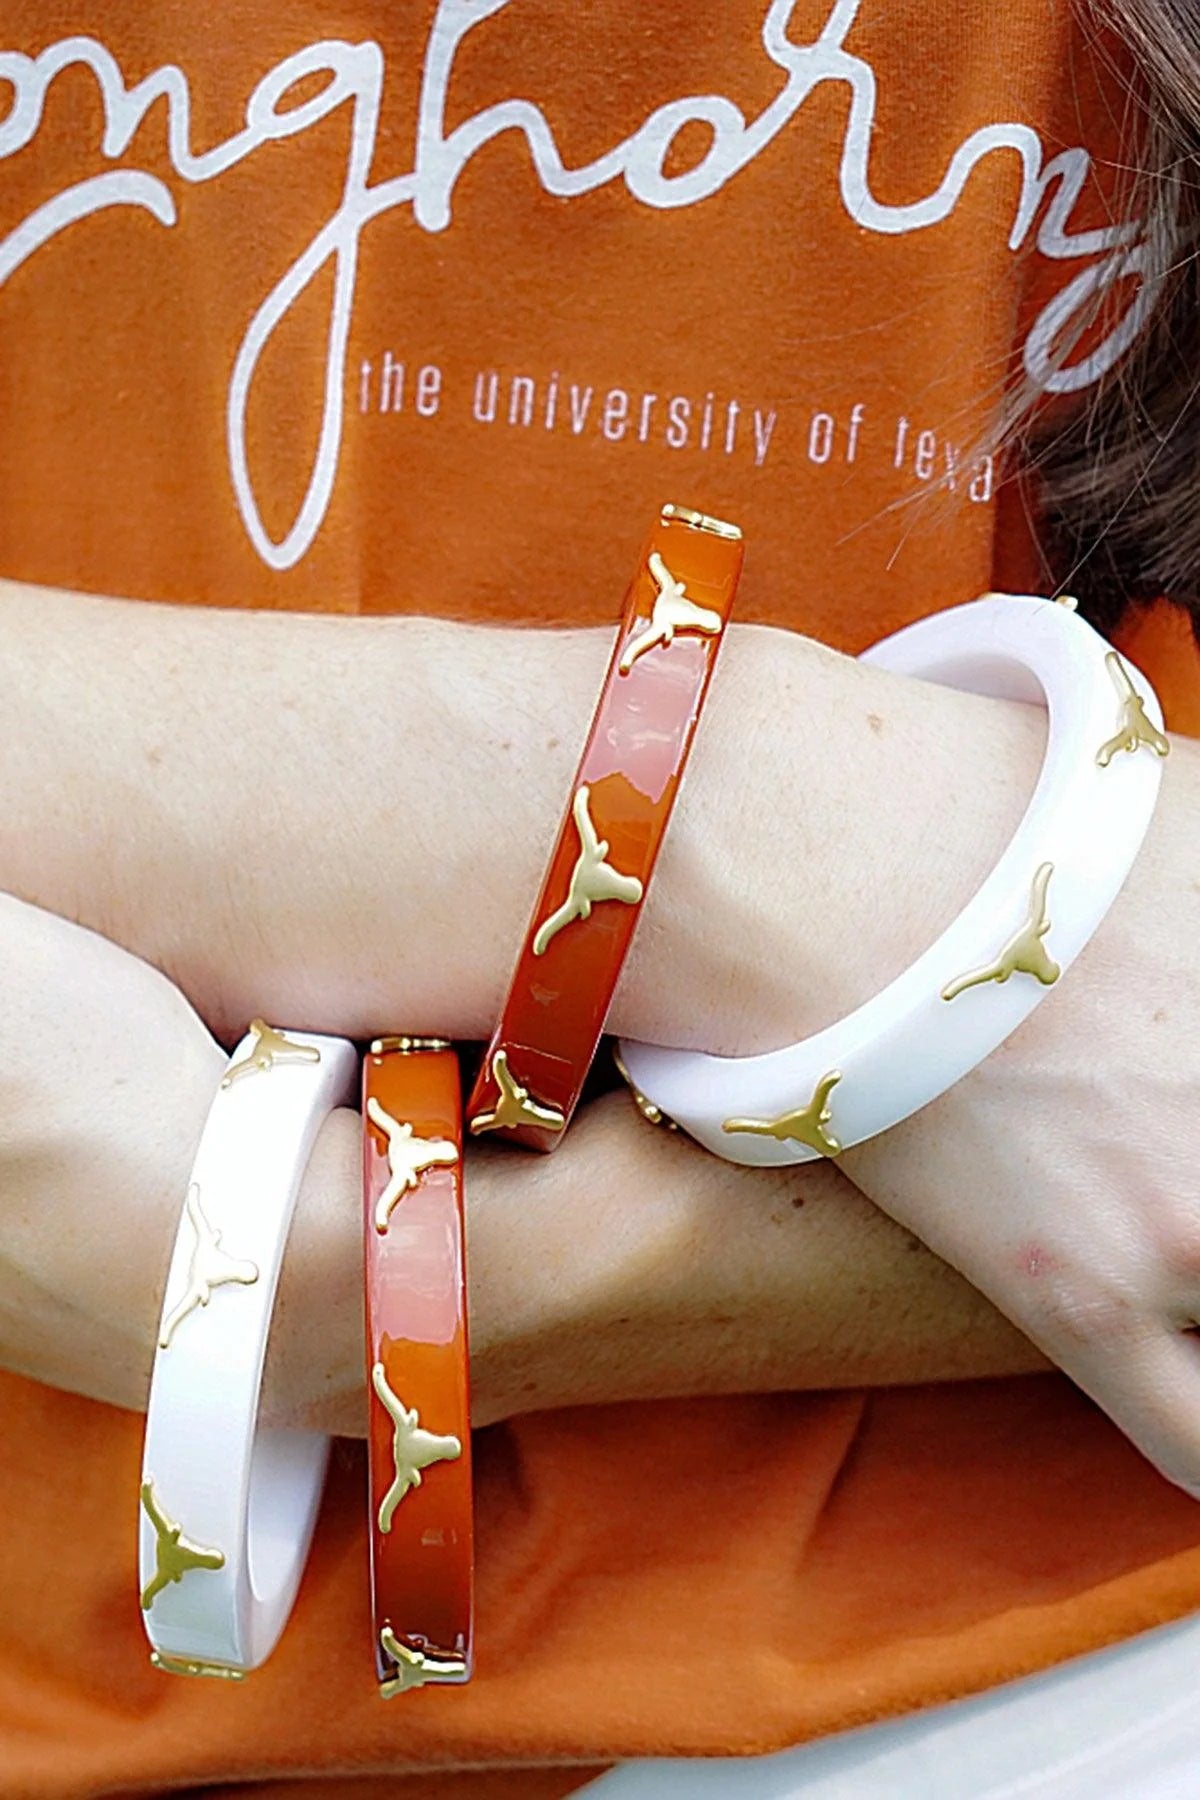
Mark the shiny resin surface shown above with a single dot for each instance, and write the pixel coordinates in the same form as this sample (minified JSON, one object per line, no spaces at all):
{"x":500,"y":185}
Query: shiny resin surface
{"x":649,"y":707}
{"x":416,"y":1314}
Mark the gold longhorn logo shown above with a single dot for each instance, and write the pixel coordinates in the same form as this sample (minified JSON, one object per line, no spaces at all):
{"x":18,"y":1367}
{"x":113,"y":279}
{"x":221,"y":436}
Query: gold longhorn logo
{"x":413,"y":1448}
{"x":209,"y":1267}
{"x":174,"y":1554}
{"x":1025,"y":952}
{"x":270,"y":1047}
{"x":673,"y":611}
{"x":515,"y":1105}
{"x":592,"y":880}
{"x":414,"y":1668}
{"x":805,"y":1125}
{"x":1134,"y":728}
{"x":408,"y":1158}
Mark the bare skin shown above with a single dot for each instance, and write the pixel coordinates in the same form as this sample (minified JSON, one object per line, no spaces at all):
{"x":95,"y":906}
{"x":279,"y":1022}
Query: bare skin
{"x":195,"y":785}
{"x":343,"y":822}
{"x":627,"y":1265}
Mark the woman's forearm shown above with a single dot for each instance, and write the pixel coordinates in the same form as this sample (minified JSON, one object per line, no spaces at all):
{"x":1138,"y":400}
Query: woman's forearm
{"x":628,"y":1265}
{"x":343,"y":822}
{"x":632,"y":1266}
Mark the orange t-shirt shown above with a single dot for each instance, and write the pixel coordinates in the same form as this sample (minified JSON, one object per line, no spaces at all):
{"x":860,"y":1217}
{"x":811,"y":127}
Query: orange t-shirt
{"x":354,"y":322}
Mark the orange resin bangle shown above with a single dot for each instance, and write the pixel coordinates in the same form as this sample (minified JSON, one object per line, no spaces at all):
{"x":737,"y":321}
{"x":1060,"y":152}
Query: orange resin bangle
{"x":419,"y":1443}
{"x":675,"y":614}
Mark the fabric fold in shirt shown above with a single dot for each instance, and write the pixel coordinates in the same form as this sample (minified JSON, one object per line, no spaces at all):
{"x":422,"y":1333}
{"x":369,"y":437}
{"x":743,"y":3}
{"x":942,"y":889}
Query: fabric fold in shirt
{"x":707,"y":1577}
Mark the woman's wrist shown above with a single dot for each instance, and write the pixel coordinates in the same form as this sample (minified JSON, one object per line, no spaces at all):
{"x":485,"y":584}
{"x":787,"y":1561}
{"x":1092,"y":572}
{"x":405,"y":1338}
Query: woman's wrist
{"x":628,"y":1265}
{"x":836,"y":818}
{"x":631,"y":1266}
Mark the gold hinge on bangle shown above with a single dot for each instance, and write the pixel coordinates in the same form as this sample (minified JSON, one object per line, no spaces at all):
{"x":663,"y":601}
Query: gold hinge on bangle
{"x":686,"y":515}
{"x":653,"y":1114}
{"x":171,"y":1665}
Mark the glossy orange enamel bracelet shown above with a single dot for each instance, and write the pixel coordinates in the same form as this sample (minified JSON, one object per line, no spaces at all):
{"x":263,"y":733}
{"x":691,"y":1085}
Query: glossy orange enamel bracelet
{"x":624,"y":790}
{"x":419,"y":1442}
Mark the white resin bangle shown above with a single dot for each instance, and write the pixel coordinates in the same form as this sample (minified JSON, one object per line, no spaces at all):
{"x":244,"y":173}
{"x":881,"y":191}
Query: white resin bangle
{"x":227,"y":1511}
{"x":1046,"y":896}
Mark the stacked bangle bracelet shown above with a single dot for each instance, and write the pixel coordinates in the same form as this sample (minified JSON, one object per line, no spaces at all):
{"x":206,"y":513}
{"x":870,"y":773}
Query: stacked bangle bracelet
{"x":1035,"y":912}
{"x":227,"y":1510}
{"x":621,"y":800}
{"x":419,"y":1443}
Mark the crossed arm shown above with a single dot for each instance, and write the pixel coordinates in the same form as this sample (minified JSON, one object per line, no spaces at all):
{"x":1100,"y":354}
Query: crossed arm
{"x":626,"y":1266}
{"x":339,"y":823}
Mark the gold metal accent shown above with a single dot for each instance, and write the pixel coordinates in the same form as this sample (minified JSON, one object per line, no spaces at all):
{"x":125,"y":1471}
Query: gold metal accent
{"x":408,"y":1046}
{"x":170,"y":1666}
{"x":174,"y":1554}
{"x":414,"y":1668}
{"x":1024,"y":953}
{"x":592,"y":879}
{"x":209,"y":1267}
{"x":805,"y":1125}
{"x":685,"y":515}
{"x":1134,"y":728}
{"x":408,"y":1158}
{"x":649,"y":1111}
{"x":515,"y":1105}
{"x":673,"y":611}
{"x":413,"y":1448}
{"x":270,"y":1047}
{"x":1067,"y":600}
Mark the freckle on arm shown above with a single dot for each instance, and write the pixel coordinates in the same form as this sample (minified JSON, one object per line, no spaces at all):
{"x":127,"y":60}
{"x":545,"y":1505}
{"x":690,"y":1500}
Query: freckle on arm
{"x":1033,"y":1260}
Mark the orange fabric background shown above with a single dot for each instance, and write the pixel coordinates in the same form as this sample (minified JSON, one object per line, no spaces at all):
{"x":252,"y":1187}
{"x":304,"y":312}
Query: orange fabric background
{"x":681,"y":1578}
{"x":119,"y":337}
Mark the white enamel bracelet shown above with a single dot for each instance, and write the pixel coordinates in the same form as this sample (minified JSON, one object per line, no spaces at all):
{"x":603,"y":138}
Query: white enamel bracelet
{"x":1046,"y":896}
{"x":227,"y":1511}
